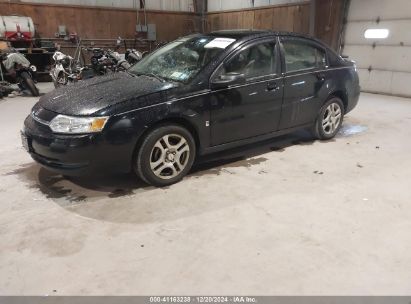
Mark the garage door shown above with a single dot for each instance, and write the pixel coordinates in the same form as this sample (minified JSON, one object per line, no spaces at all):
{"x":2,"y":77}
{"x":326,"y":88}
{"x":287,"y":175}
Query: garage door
{"x":384,"y":58}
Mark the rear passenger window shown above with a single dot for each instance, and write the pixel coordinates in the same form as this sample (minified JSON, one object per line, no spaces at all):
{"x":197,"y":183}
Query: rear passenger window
{"x":301,"y":56}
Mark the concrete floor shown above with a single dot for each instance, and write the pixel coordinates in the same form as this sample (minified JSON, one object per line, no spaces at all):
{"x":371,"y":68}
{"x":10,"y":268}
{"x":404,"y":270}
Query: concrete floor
{"x":288,"y":217}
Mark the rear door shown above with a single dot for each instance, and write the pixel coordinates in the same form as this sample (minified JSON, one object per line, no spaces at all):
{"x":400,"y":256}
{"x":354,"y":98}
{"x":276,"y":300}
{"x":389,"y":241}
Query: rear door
{"x":304,"y":70}
{"x":254,"y":108}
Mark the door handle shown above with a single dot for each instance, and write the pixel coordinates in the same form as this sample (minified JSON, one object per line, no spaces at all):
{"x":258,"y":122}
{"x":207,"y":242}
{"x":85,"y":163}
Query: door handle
{"x":321,"y":77}
{"x":272,"y":86}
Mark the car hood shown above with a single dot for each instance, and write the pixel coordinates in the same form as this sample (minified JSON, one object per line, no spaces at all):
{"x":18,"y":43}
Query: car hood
{"x":99,"y":94}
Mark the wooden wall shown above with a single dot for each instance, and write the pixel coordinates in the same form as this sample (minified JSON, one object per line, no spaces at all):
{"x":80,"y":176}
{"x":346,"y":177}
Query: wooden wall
{"x":289,"y":17}
{"x":99,"y":23}
{"x":292,"y":18}
{"x":109,"y":23}
{"x":329,"y":21}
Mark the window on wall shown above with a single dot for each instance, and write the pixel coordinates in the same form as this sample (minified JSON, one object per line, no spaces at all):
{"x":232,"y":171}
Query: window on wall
{"x":302,"y":56}
{"x":376,"y":33}
{"x":255,"y":61}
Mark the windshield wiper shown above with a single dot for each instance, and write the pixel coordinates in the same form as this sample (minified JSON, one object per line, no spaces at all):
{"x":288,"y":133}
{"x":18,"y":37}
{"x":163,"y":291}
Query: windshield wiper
{"x":151,"y":75}
{"x":131,"y":74}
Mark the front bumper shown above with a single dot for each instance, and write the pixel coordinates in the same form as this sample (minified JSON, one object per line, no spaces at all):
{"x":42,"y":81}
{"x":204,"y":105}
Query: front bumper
{"x":78,"y":154}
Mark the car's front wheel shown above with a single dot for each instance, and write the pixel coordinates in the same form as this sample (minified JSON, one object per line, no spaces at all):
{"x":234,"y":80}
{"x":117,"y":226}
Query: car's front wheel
{"x":329,"y":119}
{"x":165,"y":155}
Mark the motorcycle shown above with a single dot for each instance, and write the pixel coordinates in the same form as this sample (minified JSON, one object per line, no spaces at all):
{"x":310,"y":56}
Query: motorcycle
{"x":66,"y":70}
{"x":22,"y":71}
{"x":104,"y":62}
{"x":120,"y":62}
{"x":5,"y":89}
{"x":133,"y":56}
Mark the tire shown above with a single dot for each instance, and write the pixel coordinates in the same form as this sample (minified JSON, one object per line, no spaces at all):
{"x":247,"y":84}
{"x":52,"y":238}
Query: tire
{"x":329,"y":119}
{"x":165,"y":155}
{"x":28,"y":81}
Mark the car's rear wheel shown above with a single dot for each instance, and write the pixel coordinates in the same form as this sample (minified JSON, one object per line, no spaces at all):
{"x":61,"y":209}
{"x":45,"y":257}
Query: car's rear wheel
{"x":329,"y":119}
{"x":165,"y":156}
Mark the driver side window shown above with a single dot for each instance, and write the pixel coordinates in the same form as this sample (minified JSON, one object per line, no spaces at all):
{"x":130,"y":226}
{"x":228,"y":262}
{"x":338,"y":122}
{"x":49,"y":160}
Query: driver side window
{"x":255,"y":61}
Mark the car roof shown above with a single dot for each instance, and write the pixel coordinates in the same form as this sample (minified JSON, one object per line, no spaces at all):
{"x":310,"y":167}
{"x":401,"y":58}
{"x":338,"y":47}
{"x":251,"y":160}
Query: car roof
{"x":248,"y":34}
{"x":239,"y":34}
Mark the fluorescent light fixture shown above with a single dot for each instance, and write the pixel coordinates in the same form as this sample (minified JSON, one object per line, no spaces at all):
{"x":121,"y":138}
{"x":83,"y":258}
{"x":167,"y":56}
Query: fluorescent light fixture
{"x":376,"y":33}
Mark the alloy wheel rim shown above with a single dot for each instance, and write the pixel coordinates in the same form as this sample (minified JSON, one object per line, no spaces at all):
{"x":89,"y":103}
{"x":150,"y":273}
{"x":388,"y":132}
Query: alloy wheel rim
{"x":332,"y":118}
{"x":169,"y":156}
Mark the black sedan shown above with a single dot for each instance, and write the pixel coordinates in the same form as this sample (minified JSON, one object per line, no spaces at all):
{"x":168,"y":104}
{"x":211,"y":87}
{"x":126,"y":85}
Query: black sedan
{"x":196,"y":95}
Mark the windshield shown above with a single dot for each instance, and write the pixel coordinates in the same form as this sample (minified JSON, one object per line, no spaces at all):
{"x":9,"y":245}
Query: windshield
{"x":182,"y":59}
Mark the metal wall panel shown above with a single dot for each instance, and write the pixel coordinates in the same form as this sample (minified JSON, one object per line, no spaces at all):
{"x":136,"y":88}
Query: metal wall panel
{"x":106,"y":3}
{"x":169,"y":5}
{"x":153,"y":4}
{"x":385,"y":82}
{"x":384,"y":64}
{"x":214,"y":5}
{"x":237,"y":4}
{"x":385,"y":9}
{"x":400,"y":32}
{"x":401,"y":84}
{"x":376,"y":81}
{"x":223,"y":5}
{"x":391,"y":58}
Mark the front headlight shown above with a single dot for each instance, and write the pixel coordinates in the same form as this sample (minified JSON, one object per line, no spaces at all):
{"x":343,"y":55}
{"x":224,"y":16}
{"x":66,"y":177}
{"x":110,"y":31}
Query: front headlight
{"x":76,"y":125}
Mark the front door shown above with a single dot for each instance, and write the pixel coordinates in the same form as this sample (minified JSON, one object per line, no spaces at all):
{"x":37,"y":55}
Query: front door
{"x":251,"y":109}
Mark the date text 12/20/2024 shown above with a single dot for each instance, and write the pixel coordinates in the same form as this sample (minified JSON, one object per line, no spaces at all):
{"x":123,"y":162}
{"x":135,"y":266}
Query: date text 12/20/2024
{"x":203,"y":299}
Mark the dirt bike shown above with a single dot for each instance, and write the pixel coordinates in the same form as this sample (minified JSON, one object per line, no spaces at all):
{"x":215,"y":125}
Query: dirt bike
{"x":107,"y":61}
{"x":20,"y":69}
{"x":133,"y":56}
{"x":65,"y":70}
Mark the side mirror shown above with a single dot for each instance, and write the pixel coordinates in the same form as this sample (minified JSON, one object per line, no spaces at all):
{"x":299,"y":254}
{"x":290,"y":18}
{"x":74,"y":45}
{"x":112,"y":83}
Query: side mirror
{"x":226,"y":80}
